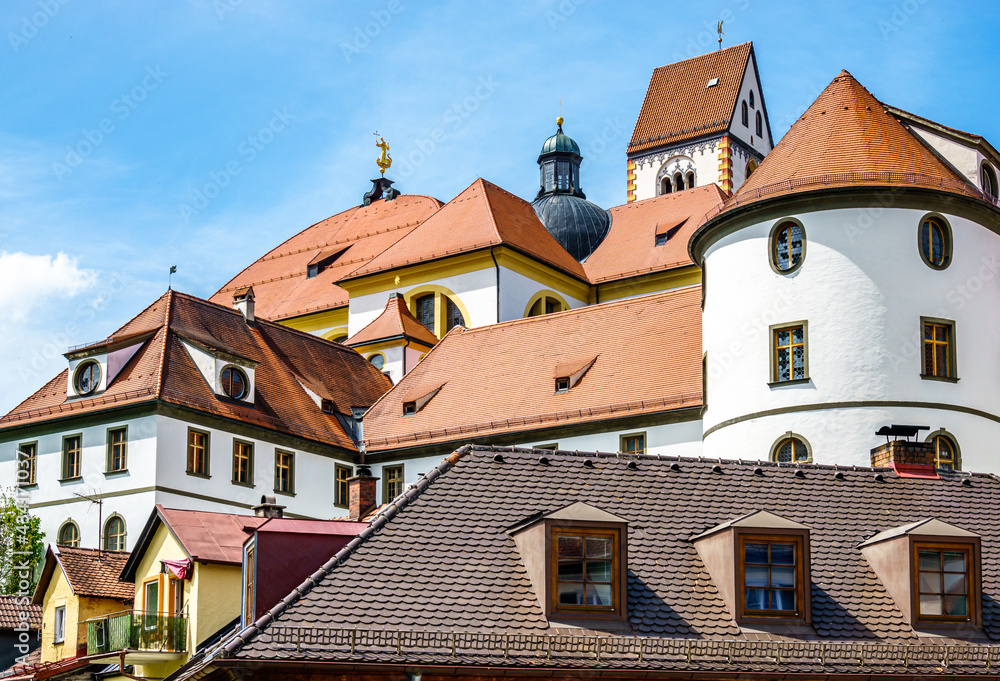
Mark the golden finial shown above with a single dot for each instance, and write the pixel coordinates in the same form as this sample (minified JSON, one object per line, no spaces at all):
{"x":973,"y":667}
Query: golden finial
{"x":559,"y":121}
{"x":384,"y":161}
{"x":397,"y":280}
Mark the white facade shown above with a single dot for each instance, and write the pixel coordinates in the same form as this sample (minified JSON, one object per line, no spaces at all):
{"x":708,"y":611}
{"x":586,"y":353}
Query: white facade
{"x":862,"y":289}
{"x":701,"y":156}
{"x":672,"y":439}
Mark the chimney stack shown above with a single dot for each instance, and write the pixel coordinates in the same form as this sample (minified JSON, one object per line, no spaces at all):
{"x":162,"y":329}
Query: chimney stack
{"x":903,"y":452}
{"x":243,"y":301}
{"x":361,"y":493}
{"x":268,"y":508}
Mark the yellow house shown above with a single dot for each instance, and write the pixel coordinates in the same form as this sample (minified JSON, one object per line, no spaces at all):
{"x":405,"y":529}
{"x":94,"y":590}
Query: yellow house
{"x":186,"y":573}
{"x":77,"y":585}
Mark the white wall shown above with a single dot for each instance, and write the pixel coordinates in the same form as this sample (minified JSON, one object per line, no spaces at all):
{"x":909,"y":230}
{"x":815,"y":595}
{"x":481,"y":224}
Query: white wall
{"x":747,"y":133}
{"x":704,"y":154}
{"x":518,"y":289}
{"x":413,"y":470}
{"x":674,"y":439}
{"x":863,"y":288}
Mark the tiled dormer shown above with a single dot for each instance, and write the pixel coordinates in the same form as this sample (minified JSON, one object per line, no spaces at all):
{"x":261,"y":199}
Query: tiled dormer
{"x":760,"y":565}
{"x":228,"y":375}
{"x":93,"y":368}
{"x":577,"y":560}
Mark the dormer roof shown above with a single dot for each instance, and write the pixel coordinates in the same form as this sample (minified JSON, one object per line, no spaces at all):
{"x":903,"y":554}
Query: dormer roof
{"x":926,"y":527}
{"x":395,"y":321}
{"x":763,"y":520}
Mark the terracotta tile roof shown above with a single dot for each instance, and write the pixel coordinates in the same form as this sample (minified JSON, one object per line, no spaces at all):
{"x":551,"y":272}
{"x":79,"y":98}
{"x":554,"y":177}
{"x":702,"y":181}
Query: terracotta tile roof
{"x":461,"y":571}
{"x":847,"y":138}
{"x":499,"y":379}
{"x":482,"y":215}
{"x":163,"y":369}
{"x":95,"y":573}
{"x":11,"y":609}
{"x":395,"y":321}
{"x":679,"y":106}
{"x":74,"y":668}
{"x":279,"y":277}
{"x":630,"y":247}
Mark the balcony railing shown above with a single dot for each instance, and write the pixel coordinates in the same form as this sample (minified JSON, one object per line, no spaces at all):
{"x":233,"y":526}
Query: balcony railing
{"x":137,"y":630}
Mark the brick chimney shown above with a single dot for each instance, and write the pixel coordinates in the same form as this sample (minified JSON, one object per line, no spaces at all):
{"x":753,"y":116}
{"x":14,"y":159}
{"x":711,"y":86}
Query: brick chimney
{"x":903,"y":452}
{"x":268,"y":508}
{"x":243,"y":301}
{"x":361,"y":493}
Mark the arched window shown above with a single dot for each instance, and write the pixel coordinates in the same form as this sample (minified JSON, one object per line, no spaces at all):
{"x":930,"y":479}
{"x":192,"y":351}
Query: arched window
{"x":946,"y":455}
{"x":787,"y":246}
{"x":751,"y":166}
{"x":760,"y":125}
{"x":678,"y":182}
{"x":988,"y":180}
{"x":935,"y":242}
{"x":690,"y":180}
{"x":69,"y":534}
{"x":454,"y":315}
{"x":746,"y":114}
{"x":791,"y":449}
{"x":665,"y":186}
{"x":425,"y":311}
{"x":751,"y":99}
{"x":114,"y":534}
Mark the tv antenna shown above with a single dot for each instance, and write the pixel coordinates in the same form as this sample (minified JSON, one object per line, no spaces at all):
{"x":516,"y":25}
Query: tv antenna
{"x":94,"y":499}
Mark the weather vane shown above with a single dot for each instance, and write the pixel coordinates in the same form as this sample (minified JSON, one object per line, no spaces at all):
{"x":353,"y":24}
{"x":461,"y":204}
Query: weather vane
{"x":383,"y":161}
{"x":719,"y":29}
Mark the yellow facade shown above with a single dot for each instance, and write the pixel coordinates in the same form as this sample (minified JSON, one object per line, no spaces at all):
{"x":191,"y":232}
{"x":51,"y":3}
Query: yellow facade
{"x":211,"y":597}
{"x":79,"y":609}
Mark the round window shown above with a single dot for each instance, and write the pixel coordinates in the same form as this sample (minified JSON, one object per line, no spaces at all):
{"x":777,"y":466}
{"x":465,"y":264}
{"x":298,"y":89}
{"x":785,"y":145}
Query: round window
{"x":234,"y":383}
{"x":935,"y":242}
{"x":88,"y":377}
{"x":377,"y":360}
{"x":787,"y":246}
{"x":791,"y":450}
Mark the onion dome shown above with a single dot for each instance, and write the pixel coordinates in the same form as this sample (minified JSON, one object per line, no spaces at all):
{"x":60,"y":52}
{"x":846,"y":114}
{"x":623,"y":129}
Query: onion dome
{"x":577,"y":224}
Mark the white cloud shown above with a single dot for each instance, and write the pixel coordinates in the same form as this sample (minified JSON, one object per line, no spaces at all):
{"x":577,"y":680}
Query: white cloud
{"x":29,"y":281}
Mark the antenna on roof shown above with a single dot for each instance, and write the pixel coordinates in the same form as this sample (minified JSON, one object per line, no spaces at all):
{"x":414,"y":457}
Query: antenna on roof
{"x":94,"y":499}
{"x":170,"y":276}
{"x":719,"y":29}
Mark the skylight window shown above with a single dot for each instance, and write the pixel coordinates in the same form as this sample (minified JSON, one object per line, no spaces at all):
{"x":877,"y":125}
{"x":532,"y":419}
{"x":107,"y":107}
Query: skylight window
{"x":712,"y":83}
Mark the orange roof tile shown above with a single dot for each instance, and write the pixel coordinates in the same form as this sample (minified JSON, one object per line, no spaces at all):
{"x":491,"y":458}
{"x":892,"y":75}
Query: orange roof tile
{"x":499,"y":379}
{"x":93,"y":572}
{"x":289,"y":362}
{"x":679,"y":106}
{"x":847,"y":137}
{"x":395,"y":321}
{"x":630,"y":247}
{"x":483,"y":215}
{"x":354,"y":236}
{"x":11,"y":608}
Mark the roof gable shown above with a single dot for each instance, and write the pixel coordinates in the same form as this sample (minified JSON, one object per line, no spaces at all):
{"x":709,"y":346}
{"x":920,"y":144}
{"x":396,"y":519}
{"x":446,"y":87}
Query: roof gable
{"x":481,"y":216}
{"x":395,"y":321}
{"x":90,"y":572}
{"x":679,"y":104}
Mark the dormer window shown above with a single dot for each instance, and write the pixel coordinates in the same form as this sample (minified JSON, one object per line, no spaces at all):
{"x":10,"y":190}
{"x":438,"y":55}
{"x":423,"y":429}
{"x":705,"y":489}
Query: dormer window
{"x":942,"y":582}
{"x":772,"y":585}
{"x":326,"y":406}
{"x":409,"y":408}
{"x":234,"y":383}
{"x":562,"y":384}
{"x":586,"y":570}
{"x":568,"y":374}
{"x":87,"y":378}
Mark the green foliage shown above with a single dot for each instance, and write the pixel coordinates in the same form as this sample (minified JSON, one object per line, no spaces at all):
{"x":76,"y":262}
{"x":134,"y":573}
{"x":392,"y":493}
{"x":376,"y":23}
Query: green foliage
{"x":22,"y":545}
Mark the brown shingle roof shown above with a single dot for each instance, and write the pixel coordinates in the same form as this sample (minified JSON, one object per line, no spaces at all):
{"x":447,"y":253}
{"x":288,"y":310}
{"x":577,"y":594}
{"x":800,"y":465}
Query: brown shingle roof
{"x":163,"y":369}
{"x":499,"y":379}
{"x":460,"y":571}
{"x":678,"y":106}
{"x":482,"y":215}
{"x":847,"y":138}
{"x":95,"y":573}
{"x":630,"y":247}
{"x":395,"y":321}
{"x":279,"y":278}
{"x":11,"y":609}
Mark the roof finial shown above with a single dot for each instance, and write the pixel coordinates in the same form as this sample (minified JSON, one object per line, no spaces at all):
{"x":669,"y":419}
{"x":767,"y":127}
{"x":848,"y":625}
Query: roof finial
{"x":559,"y":118}
{"x":384,"y":160}
{"x":719,"y":29}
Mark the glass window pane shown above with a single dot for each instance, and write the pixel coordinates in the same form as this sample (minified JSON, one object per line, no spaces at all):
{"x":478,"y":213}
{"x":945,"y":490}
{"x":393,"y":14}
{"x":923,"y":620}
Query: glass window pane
{"x":954,"y":582}
{"x":783,"y":576}
{"x":956,"y":606}
{"x":799,"y":362}
{"x":598,"y":547}
{"x":570,"y":570}
{"x":757,"y":599}
{"x":930,"y":605}
{"x":599,"y":571}
{"x":755,"y":553}
{"x":570,"y":594}
{"x":757,"y":575}
{"x":570,"y":547}
{"x":930,"y":582}
{"x":954,"y":561}
{"x":783,"y":337}
{"x":783,"y":554}
{"x":782,"y":600}
{"x":930,"y":560}
{"x":599,"y":594}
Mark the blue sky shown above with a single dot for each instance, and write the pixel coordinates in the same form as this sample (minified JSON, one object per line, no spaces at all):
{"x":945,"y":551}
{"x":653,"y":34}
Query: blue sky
{"x":200,"y":133}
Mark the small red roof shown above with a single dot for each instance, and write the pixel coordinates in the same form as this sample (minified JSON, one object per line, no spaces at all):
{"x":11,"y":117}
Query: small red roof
{"x":209,"y":537}
{"x":345,"y":528}
{"x":11,"y":609}
{"x":90,"y":572}
{"x":395,"y":321}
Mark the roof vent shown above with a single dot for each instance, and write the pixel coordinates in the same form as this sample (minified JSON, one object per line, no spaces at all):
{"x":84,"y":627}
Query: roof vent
{"x":588,"y":463}
{"x":799,"y":473}
{"x":268,"y":508}
{"x":243,"y":300}
{"x":840,"y":476}
{"x":758,"y":471}
{"x":675,"y":467}
{"x":712,"y":83}
{"x":498,"y":458}
{"x":544,"y":460}
{"x":967,"y":482}
{"x":632,"y":466}
{"x":879,"y":477}
{"x":716,"y":468}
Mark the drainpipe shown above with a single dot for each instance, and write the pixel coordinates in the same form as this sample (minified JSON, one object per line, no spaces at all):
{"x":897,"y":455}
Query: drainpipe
{"x":405,"y":345}
{"x":496,"y":266}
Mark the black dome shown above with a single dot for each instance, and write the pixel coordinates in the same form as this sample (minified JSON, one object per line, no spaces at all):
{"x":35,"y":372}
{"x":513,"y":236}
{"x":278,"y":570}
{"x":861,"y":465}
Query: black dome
{"x":577,"y":224}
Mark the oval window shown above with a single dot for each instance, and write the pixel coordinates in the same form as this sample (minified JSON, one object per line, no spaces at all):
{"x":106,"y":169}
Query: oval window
{"x":791,"y":450}
{"x":88,"y":377}
{"x":234,"y":383}
{"x":377,"y":360}
{"x":787,"y":246}
{"x":935,"y":242}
